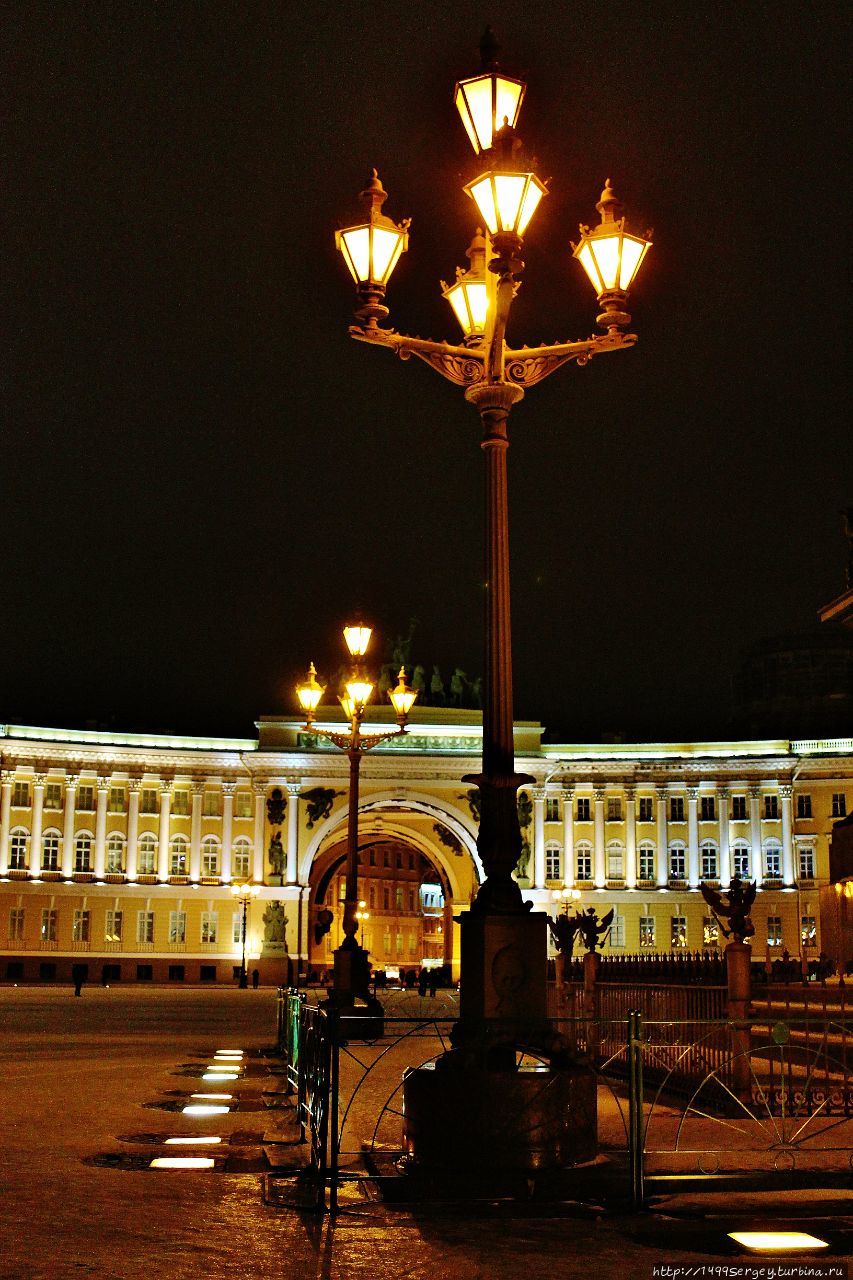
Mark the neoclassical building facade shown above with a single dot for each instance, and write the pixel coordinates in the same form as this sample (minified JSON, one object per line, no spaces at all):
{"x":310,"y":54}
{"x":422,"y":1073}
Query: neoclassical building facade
{"x":120,"y":851}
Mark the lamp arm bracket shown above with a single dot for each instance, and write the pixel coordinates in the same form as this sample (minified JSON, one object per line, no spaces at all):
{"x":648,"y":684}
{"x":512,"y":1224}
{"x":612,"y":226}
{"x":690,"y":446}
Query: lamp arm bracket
{"x":367,"y":741}
{"x":462,"y":365}
{"x":529,"y":365}
{"x":354,"y":742}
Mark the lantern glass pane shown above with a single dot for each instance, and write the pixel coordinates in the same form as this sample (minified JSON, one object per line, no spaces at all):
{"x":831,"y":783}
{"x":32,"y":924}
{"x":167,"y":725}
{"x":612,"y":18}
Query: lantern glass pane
{"x":357,"y":639}
{"x":484,"y":196}
{"x":356,"y":246}
{"x":587,"y":261}
{"x":478,"y":95}
{"x":402,"y":700}
{"x":507,"y":102}
{"x":509,"y":193}
{"x":359,"y":691}
{"x":385,"y":242}
{"x":632,"y":252}
{"x":605,"y":250}
{"x":478,"y":305}
{"x":532,"y":196}
{"x":466,"y":118}
{"x":456,"y":298}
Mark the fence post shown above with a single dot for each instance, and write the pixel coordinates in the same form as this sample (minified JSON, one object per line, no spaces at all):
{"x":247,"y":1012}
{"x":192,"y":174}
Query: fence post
{"x":334,"y":1081}
{"x":635,"y":1105}
{"x":739,"y":979}
{"x":591,"y":1002}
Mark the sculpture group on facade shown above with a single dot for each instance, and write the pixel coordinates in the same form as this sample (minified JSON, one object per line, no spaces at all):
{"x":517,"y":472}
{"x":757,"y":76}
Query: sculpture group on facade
{"x":741,"y":895}
{"x":566,"y":929}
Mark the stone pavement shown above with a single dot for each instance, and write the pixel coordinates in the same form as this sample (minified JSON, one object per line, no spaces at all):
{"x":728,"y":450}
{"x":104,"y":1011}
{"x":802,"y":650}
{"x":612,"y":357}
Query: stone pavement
{"x":76,"y":1078}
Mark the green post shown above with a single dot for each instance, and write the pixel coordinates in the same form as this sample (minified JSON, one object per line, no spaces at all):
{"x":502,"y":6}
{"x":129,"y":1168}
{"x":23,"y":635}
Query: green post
{"x":635,"y":1105}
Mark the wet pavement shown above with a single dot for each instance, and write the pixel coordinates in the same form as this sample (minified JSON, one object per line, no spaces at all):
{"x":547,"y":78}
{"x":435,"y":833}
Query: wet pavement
{"x":78,"y":1075}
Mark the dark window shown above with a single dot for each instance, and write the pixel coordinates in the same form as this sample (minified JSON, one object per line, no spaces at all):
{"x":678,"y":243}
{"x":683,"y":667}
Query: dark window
{"x":15,"y":970}
{"x":176,"y":972}
{"x":208,"y":973}
{"x":144,"y":972}
{"x":47,"y":971}
{"x":236,"y":971}
{"x":111,"y":973}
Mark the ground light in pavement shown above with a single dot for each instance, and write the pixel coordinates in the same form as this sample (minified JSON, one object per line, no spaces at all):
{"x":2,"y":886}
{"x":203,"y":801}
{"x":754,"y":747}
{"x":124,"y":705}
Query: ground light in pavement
{"x":213,"y":1097}
{"x":777,"y":1241}
{"x":200,"y":1109}
{"x":182,"y":1162}
{"x":219,"y":1075}
{"x":192,"y":1142}
{"x":228,"y":1053}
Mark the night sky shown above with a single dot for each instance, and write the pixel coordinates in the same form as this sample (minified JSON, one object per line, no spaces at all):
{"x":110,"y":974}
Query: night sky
{"x":202,"y":474}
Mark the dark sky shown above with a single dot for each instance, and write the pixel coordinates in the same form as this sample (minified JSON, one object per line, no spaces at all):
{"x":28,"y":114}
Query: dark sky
{"x":202,"y":473}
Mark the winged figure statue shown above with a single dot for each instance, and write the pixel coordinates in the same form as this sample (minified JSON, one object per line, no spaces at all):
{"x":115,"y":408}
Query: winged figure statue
{"x":741,"y":895}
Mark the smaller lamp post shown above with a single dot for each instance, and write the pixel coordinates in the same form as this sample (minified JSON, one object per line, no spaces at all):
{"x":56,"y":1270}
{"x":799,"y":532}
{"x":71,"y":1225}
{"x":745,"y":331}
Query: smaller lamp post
{"x":351,"y":964}
{"x":244,"y":893}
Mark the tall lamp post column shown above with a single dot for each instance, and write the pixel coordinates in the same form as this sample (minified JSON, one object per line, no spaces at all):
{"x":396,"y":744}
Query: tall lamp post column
{"x":244,"y":893}
{"x":352,"y":972}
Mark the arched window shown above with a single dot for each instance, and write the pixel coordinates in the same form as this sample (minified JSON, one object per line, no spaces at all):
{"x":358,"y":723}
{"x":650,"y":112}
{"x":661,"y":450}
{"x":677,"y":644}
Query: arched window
{"x":583,"y":856}
{"x":115,"y":853}
{"x":18,"y":844}
{"x":83,"y":851}
{"x":709,"y":860}
{"x":646,"y":866}
{"x":772,"y":860}
{"x":50,"y":850}
{"x":178,"y":846}
{"x":677,"y":861}
{"x":147,"y":854}
{"x":241,"y":859}
{"x":210,"y":856}
{"x":553,"y":861}
{"x":740,"y":859}
{"x":615,"y":860}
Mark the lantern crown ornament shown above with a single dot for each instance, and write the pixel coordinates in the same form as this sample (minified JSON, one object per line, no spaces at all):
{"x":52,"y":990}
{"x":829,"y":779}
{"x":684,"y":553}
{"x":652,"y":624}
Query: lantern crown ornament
{"x":487,"y":101}
{"x":611,"y":257}
{"x":371,"y":250}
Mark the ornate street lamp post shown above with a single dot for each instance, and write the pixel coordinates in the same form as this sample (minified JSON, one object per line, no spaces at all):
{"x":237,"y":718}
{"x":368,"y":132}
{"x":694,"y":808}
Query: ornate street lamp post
{"x":494,"y":377}
{"x":351,"y":963}
{"x":244,"y":893}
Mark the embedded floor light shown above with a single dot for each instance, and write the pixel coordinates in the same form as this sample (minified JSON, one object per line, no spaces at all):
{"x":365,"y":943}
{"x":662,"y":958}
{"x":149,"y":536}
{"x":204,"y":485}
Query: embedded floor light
{"x":182,"y":1162}
{"x":228,"y":1053}
{"x":219,"y":1075}
{"x":777,"y":1241}
{"x":213,"y":1097}
{"x":192,"y":1142}
{"x":201,"y":1109}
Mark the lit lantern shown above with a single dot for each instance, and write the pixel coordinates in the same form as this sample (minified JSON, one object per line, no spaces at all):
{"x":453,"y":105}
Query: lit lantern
{"x":488,"y":101}
{"x":356,"y":698}
{"x":357,"y":639}
{"x":402,"y":697}
{"x":371,"y":250}
{"x":310,"y":693}
{"x":611,"y":257}
{"x":468,"y":296}
{"x":507,"y":200}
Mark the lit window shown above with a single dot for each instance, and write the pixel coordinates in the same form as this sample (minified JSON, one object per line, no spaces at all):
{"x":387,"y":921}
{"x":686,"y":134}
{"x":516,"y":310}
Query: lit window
{"x":18,"y":845}
{"x":617,"y":931}
{"x":709,"y":860}
{"x":237,"y":927}
{"x":115,"y":854}
{"x":80,"y":927}
{"x":145,"y":926}
{"x":147,"y":856}
{"x":647,"y":931}
{"x":773,"y":862}
{"x":615,"y":861}
{"x":48,"y":924}
{"x":209,"y":925}
{"x":112,"y":926}
{"x":647,"y":862}
{"x":677,"y":864}
{"x":553,"y":861}
{"x":740,"y":860}
{"x":678,"y":933}
{"x":774,"y":931}
{"x":710,"y":932}
{"x":210,"y":856}
{"x":177,"y":926}
{"x":808,"y":931}
{"x":178,"y":856}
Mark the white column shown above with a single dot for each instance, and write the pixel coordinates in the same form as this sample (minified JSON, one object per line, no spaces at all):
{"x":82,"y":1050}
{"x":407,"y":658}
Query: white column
{"x":661,"y":796}
{"x":755,"y":834}
{"x":599,"y":873}
{"x":133,"y":826}
{"x":693,"y":837}
{"x":5,"y":809}
{"x":195,"y":831}
{"x":568,"y":838}
{"x":35,"y":829}
{"x":292,"y":867}
{"x":787,"y":791}
{"x":71,"y":780}
{"x":260,"y":790}
{"x":101,"y":829}
{"x":631,"y":837}
{"x":725,"y":837}
{"x":538,"y":837}
{"x":227,"y":827}
{"x":165,"y":815}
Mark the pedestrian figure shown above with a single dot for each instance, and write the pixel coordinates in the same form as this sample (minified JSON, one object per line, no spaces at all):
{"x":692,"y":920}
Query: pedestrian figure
{"x":256,"y":977}
{"x":422,"y":982}
{"x":78,"y":975}
{"x":433,"y":982}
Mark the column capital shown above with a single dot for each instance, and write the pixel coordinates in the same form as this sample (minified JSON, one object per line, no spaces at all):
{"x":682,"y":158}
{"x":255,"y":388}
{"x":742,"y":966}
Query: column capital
{"x":39,"y":779}
{"x":693,"y":793}
{"x":294,"y":788}
{"x":599,"y":792}
{"x":538,"y":793}
{"x":134,"y":785}
{"x":259,"y":786}
{"x":229,"y":786}
{"x":568,"y":794}
{"x":166,"y":785}
{"x":197,"y":786}
{"x":723,"y":790}
{"x":661,"y":790}
{"x":754,"y":791}
{"x":786,"y":790}
{"x":6,"y":777}
{"x":72,"y":781}
{"x":103,"y":783}
{"x":630,"y":790}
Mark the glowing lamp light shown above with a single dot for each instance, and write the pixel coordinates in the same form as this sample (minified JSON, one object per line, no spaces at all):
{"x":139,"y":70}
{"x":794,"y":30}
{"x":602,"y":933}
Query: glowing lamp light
{"x":372,"y":248}
{"x":202,"y":1109}
{"x":192,"y":1142}
{"x":506,"y":200}
{"x":485,"y":103}
{"x":402,"y":697}
{"x":219,"y":1075}
{"x":183,"y":1162}
{"x":611,"y":256}
{"x":214,"y":1097}
{"x":310,"y":693}
{"x":357,"y":639}
{"x":358,"y":691}
{"x":777,"y":1241}
{"x":468,"y":296}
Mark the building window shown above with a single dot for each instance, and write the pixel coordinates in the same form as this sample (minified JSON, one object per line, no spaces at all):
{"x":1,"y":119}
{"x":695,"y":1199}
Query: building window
{"x":677,"y":868}
{"x":53,"y":795}
{"x":18,"y":850}
{"x":647,"y":931}
{"x":80,"y":927}
{"x":552,"y":808}
{"x":116,"y":800}
{"x":399,"y":860}
{"x":398,"y":898}
{"x":237,"y":928}
{"x":178,"y":856}
{"x":212,"y":804}
{"x":48,"y":924}
{"x":210,"y":856}
{"x":16,"y":924}
{"x":149,"y":800}
{"x":614,"y":808}
{"x":243,"y":804}
{"x":50,"y":851}
{"x":21,"y":795}
{"x":180,"y":803}
{"x":773,"y":862}
{"x":177,"y":926}
{"x":371,"y":896}
{"x":413,"y":944}
{"x":774,"y":931}
{"x":584,"y":861}
{"x":209,"y":923}
{"x":115,"y":855}
{"x":112,"y":926}
{"x":371,"y":858}
{"x":707,"y":809}
{"x":807,"y":863}
{"x":583,"y":810}
{"x":647,"y":862}
{"x":386,"y":862}
{"x":839,"y":804}
{"x":678,"y":933}
{"x":147,"y":856}
{"x":83,"y":853}
{"x":242,"y":857}
{"x":615,"y":861}
{"x":86,"y":798}
{"x":676,"y":809}
{"x":771,"y":806}
{"x":553,"y":862}
{"x":646,"y":809}
{"x":740,"y":860}
{"x":808,"y":931}
{"x":710,"y":932}
{"x":145,"y":926}
{"x":739,"y":808}
{"x":617,"y":931}
{"x":411,"y":899}
{"x":804,"y":806}
{"x":386,"y":898}
{"x":709,"y":860}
